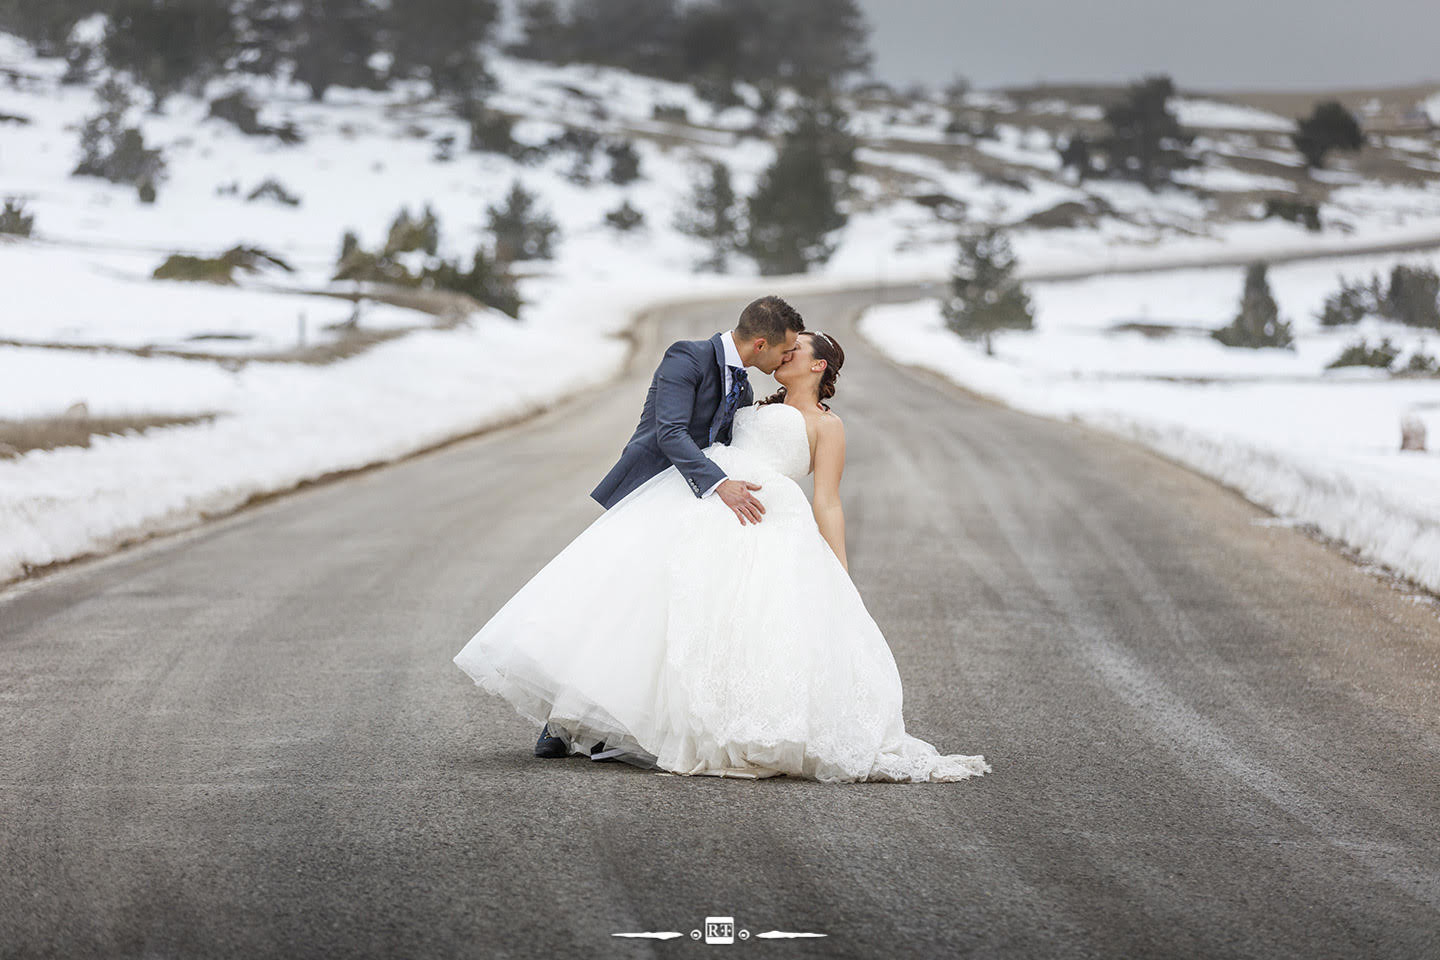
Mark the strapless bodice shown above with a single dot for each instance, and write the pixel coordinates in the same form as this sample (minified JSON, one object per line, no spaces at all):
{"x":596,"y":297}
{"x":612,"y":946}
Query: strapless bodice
{"x":775,"y":433}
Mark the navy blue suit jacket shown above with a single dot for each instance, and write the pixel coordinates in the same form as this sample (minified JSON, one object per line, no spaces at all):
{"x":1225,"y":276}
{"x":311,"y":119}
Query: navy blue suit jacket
{"x":684,"y":411}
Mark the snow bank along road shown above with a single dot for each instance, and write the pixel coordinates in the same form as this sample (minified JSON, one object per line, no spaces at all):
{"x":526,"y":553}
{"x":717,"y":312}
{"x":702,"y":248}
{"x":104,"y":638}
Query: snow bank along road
{"x":1210,"y":736}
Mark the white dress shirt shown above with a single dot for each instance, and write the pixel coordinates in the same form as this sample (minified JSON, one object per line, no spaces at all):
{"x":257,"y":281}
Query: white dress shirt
{"x":732,"y":359}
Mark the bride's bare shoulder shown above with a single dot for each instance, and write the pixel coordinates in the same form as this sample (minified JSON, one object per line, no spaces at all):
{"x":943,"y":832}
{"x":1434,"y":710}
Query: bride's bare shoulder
{"x":829,"y":431}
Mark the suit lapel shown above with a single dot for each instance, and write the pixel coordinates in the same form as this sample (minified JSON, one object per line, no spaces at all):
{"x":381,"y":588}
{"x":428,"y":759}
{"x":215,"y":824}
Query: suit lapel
{"x":715,"y":420}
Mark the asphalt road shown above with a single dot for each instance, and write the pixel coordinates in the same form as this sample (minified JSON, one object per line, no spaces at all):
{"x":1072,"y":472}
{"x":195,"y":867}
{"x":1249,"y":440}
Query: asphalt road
{"x":1210,"y":736}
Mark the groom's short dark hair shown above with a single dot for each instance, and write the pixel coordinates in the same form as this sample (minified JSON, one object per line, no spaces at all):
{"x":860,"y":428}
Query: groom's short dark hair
{"x":768,"y":317}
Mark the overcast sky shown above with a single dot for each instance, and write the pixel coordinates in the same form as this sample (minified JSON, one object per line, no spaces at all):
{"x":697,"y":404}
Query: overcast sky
{"x":1213,"y":44}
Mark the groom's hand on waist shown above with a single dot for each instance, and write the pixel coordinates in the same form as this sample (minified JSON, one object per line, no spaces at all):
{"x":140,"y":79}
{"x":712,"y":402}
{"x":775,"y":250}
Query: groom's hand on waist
{"x":737,"y":496}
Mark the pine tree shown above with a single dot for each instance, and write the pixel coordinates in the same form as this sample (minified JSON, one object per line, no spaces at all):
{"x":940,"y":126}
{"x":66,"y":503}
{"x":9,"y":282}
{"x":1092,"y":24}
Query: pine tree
{"x":581,"y":142}
{"x":486,"y":281}
{"x":438,"y":41}
{"x":821,"y":43}
{"x":711,"y":217}
{"x":14,"y":220}
{"x":1258,"y":322}
{"x":1295,"y":210}
{"x":104,"y":128}
{"x":547,"y":34}
{"x":985,"y":295}
{"x":1351,"y":303}
{"x":114,"y":151}
{"x":812,"y":46}
{"x":955,"y":92}
{"x":639,"y":35}
{"x":1146,"y":141}
{"x":827,"y":122}
{"x":324,"y":43}
{"x":167,"y":44}
{"x":1361,"y":354}
{"x":490,"y":130}
{"x":1412,"y":297}
{"x":407,"y":234}
{"x":624,"y":162}
{"x":712,"y":36}
{"x":46,"y":24}
{"x":625,"y":218}
{"x":80,"y":65}
{"x":794,"y":208}
{"x":520,"y":232}
{"x":1329,"y":127}
{"x":1076,"y":153}
{"x":808,"y":45}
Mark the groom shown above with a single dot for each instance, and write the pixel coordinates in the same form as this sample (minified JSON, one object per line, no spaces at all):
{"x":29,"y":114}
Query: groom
{"x":692,"y":402}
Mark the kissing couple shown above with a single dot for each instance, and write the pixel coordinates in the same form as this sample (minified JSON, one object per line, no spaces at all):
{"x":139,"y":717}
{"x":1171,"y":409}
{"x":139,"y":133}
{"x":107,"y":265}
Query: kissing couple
{"x":706,"y":623}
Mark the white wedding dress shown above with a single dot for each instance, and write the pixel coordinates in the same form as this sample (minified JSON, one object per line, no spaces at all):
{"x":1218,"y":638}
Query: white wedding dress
{"x":698,"y":645}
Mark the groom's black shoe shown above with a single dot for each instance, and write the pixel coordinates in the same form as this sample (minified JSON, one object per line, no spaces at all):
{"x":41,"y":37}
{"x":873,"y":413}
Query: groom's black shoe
{"x":550,"y":745}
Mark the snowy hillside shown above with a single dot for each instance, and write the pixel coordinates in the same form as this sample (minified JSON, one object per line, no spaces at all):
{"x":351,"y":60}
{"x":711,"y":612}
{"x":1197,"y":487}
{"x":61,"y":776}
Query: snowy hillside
{"x":292,"y":381}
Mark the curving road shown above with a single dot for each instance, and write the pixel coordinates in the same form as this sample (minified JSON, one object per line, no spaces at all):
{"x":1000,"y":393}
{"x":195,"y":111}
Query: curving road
{"x":1210,"y":736}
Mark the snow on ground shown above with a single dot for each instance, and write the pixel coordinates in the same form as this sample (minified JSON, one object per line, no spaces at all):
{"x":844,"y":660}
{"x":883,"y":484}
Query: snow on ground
{"x":1027,"y":146}
{"x":989,"y":100}
{"x":1214,"y":113}
{"x":1313,"y":446}
{"x":1164,"y":207}
{"x":1430,"y":106}
{"x":1385,"y":204}
{"x":1004,"y":203}
{"x":1077,"y":321}
{"x":84,"y":280}
{"x":1412,"y":144}
{"x":1119,"y":247}
{"x":584,"y":93}
{"x":284,"y":424}
{"x":1284,"y":158}
{"x":922,"y":124}
{"x":359,"y":167}
{"x":1053,"y":106}
{"x":56,"y":296}
{"x":1210,"y":177}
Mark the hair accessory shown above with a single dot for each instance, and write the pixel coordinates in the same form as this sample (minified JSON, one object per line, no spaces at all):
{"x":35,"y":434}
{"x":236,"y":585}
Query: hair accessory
{"x":830,"y":368}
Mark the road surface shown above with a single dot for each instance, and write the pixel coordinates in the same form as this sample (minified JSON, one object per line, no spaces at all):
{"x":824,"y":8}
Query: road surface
{"x":1211,"y":736}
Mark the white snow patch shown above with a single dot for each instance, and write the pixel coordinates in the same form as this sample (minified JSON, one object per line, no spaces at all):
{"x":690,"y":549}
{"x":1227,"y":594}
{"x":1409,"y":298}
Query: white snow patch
{"x":1318,"y":450}
{"x":1232,"y":116}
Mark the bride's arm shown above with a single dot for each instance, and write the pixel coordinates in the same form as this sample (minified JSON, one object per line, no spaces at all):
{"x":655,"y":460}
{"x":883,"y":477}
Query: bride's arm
{"x":829,"y":464}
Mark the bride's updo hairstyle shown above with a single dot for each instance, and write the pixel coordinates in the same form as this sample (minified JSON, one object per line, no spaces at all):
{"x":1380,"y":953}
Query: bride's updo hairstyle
{"x":826,"y":348}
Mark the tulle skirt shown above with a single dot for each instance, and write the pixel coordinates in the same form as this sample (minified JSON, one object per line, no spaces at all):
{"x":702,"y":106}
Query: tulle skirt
{"x":696,"y":645}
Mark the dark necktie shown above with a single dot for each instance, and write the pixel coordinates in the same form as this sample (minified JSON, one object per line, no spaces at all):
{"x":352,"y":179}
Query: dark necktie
{"x":738,"y":379}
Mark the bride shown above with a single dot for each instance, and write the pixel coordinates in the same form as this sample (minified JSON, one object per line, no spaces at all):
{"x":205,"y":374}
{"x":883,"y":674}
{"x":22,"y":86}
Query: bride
{"x":672,"y":637}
